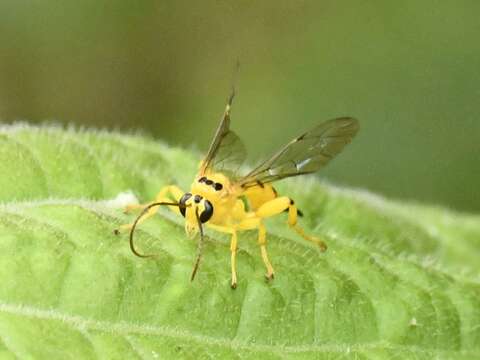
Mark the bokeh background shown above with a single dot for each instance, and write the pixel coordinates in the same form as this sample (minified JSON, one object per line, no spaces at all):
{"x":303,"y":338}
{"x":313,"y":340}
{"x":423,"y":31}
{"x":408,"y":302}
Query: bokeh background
{"x":409,"y":70}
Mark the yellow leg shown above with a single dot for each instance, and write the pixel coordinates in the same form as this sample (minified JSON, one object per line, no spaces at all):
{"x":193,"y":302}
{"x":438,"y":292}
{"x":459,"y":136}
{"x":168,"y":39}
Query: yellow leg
{"x":169,"y":193}
{"x":128,"y":227}
{"x":262,"y":241}
{"x":233,"y":250}
{"x":233,"y":260}
{"x":280,"y":204}
{"x":132,"y":207}
{"x":166,"y":194}
{"x":256,"y":223}
{"x":292,"y":222}
{"x":273,"y":207}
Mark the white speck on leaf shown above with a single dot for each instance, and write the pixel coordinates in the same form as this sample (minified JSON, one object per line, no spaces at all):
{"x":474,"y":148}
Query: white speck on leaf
{"x":123,"y":199}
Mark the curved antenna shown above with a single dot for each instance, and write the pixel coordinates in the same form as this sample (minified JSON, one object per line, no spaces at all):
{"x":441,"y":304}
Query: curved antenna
{"x":134,"y":225}
{"x":199,"y":248}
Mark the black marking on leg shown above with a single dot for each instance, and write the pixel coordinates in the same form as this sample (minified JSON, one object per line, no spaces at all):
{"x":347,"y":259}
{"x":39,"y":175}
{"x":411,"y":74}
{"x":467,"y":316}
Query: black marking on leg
{"x":259,"y":183}
{"x":275,"y":191}
{"x":299,"y":213}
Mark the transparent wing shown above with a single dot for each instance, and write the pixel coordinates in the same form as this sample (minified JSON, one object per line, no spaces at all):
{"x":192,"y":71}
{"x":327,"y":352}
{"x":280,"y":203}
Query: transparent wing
{"x":227,"y":152}
{"x":305,"y":154}
{"x":227,"y":157}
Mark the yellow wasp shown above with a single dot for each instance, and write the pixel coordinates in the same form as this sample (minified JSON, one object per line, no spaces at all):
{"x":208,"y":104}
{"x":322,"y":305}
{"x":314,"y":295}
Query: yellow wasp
{"x":228,"y":203}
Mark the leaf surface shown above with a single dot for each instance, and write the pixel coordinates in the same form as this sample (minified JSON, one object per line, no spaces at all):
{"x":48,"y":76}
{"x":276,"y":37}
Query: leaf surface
{"x":399,"y":281}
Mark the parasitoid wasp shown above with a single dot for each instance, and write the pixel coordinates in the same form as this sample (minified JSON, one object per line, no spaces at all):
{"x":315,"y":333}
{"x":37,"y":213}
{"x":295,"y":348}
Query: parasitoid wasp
{"x":218,"y":195}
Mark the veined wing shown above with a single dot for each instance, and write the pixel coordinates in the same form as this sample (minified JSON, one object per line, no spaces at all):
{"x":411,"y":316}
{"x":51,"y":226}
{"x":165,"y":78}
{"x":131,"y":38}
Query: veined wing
{"x":227,"y":152}
{"x":306,"y":154}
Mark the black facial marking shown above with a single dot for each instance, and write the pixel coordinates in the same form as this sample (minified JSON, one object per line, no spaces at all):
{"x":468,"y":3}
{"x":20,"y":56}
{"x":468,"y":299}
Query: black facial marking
{"x":182,"y":202}
{"x":209,"y":182}
{"x":207,"y":213}
{"x":197,"y":198}
{"x":218,"y":186}
{"x":202,"y":179}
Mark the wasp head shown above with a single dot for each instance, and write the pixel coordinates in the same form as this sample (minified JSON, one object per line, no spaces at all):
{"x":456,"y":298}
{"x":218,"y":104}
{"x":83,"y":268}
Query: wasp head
{"x":196,"y":210}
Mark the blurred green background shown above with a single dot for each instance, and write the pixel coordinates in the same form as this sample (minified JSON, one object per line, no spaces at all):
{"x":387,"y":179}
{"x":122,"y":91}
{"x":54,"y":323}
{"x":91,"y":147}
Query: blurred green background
{"x":409,"y":70}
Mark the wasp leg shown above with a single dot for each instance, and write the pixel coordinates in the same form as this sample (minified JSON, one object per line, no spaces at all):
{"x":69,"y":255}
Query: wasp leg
{"x":128,"y":227}
{"x":262,"y":241}
{"x":174,"y":191}
{"x":292,"y":222}
{"x":256,"y":223}
{"x":233,"y":250}
{"x":165,"y":195}
{"x":280,"y":204}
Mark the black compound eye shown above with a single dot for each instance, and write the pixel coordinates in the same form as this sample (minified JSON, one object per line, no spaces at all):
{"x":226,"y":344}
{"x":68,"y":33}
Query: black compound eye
{"x":182,"y":202}
{"x":207,"y":213}
{"x":218,"y":186}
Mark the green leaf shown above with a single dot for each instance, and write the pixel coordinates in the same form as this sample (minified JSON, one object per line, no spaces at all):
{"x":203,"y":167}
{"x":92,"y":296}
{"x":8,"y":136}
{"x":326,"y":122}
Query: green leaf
{"x":399,"y":281}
